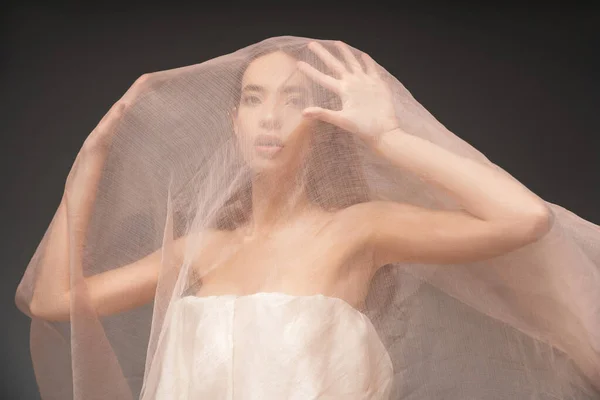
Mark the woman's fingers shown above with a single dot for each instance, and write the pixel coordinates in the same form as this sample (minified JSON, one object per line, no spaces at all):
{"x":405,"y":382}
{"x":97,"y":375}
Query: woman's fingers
{"x":101,"y":137}
{"x":350,"y":59}
{"x":324,"y":80}
{"x":370,"y":65}
{"x":330,"y":116}
{"x":141,"y":85}
{"x":332,"y":63}
{"x":115,"y":115}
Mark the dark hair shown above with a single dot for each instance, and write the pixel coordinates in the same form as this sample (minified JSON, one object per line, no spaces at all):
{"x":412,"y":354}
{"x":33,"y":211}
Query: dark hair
{"x":331,"y":184}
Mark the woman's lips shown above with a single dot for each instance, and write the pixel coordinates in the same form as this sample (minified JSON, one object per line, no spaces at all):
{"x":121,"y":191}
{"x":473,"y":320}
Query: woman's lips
{"x":268,"y":145}
{"x":269,"y":151}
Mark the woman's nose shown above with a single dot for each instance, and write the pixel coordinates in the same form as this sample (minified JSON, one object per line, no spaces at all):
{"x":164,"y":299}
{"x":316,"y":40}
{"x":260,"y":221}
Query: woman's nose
{"x":271,"y":119}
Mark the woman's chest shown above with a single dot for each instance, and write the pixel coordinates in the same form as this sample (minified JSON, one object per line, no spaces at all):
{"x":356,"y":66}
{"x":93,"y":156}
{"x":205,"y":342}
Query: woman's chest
{"x":294,"y":264}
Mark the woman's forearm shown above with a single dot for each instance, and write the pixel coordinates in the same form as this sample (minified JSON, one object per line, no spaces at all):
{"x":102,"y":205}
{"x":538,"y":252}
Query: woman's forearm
{"x":66,"y":238}
{"x":64,"y":244}
{"x":485,"y":192}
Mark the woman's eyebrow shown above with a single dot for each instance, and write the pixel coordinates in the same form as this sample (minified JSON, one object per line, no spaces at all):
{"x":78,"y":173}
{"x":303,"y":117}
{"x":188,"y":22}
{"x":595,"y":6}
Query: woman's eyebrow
{"x":294,"y":89}
{"x":253,"y":88}
{"x":286,"y":89}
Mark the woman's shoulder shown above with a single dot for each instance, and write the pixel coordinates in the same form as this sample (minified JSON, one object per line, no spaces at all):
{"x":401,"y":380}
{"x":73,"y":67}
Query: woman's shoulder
{"x":205,"y":237}
{"x":356,"y":216}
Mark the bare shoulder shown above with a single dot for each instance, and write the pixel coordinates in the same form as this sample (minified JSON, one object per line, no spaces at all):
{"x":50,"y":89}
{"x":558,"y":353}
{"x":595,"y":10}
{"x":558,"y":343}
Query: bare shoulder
{"x":201,"y":249}
{"x":202,"y":241}
{"x":359,"y":222}
{"x":356,"y":216}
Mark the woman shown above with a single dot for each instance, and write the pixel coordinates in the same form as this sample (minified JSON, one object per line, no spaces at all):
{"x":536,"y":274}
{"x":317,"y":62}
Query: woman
{"x":270,"y":244}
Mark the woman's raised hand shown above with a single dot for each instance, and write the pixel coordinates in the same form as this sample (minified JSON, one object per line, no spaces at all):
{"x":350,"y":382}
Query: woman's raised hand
{"x":367,"y":104}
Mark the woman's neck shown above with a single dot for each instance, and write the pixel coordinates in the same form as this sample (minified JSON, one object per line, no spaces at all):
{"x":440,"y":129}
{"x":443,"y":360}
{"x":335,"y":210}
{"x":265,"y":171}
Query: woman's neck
{"x":275,"y":200}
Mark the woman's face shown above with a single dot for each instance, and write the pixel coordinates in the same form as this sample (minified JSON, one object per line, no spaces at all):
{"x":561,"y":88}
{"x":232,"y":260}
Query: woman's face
{"x":268,"y":122}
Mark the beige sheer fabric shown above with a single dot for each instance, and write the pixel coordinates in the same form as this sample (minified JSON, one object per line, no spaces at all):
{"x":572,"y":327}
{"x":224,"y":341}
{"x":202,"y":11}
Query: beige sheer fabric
{"x":175,"y":184}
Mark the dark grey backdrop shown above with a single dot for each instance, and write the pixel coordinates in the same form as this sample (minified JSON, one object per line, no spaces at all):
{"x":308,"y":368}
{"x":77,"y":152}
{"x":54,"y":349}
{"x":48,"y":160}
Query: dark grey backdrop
{"x":520,"y":84}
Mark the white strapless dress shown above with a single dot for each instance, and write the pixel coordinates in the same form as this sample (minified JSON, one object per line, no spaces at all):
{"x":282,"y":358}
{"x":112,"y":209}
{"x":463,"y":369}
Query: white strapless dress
{"x":269,"y":346}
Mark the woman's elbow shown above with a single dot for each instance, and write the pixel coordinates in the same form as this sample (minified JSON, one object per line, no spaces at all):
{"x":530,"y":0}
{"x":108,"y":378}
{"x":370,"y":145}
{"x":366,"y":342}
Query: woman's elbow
{"x":539,"y":223}
{"x":55,"y":310}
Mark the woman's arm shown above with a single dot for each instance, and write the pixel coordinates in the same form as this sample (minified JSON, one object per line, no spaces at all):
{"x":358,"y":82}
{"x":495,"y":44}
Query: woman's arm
{"x":66,"y":236}
{"x":112,"y":291}
{"x":486,"y":192}
{"x":499,"y":215}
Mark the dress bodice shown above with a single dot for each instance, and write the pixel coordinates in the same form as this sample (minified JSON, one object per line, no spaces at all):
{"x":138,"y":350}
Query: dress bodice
{"x":269,"y":346}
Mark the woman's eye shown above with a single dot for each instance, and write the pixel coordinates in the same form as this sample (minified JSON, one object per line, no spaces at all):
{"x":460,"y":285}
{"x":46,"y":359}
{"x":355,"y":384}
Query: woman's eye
{"x":296,"y":101}
{"x":251,"y":100}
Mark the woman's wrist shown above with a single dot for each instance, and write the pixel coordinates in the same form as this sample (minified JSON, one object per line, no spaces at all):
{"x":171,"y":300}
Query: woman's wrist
{"x":383,"y":140}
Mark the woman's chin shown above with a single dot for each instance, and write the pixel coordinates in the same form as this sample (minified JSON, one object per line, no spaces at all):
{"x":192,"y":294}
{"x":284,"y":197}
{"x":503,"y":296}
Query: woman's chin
{"x":266,"y":165}
{"x":272,"y":165}
{"x":278,"y":161}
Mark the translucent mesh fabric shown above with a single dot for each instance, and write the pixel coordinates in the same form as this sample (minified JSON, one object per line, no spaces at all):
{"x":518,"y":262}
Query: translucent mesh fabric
{"x":154,"y":279}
